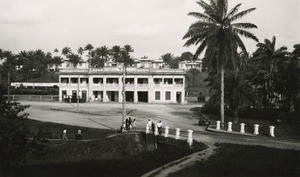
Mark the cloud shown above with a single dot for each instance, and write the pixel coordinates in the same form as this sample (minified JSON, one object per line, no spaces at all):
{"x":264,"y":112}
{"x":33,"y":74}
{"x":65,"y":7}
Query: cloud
{"x":21,"y":14}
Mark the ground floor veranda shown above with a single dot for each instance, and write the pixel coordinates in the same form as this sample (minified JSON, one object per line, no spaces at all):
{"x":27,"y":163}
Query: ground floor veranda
{"x":135,"y":96}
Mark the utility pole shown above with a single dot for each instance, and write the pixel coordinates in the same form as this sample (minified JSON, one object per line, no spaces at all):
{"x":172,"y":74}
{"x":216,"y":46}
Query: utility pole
{"x":78,"y":93}
{"x":123,"y":94}
{"x":8,"y":85}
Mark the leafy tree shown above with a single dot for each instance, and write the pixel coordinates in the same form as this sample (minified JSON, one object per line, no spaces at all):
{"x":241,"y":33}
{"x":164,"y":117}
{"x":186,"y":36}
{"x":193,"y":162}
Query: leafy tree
{"x":66,"y":51}
{"x":80,"y":51}
{"x":170,"y":60}
{"x":56,"y":51}
{"x":187,"y":56}
{"x":57,"y":60}
{"x":89,"y":47}
{"x":125,"y":55}
{"x":238,"y":91}
{"x":219,"y":35}
{"x":8,"y":67}
{"x":13,"y":135}
{"x":193,"y":73}
{"x":74,"y":59}
{"x":115,"y":52}
{"x":268,"y":59}
{"x":287,"y":82}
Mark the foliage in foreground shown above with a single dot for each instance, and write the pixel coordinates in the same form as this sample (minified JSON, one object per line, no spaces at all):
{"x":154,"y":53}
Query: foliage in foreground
{"x":120,"y":155}
{"x":247,"y":161}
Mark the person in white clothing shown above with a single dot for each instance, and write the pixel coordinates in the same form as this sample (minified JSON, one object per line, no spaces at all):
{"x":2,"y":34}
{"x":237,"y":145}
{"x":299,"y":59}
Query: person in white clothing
{"x":149,"y":124}
{"x":65,"y":134}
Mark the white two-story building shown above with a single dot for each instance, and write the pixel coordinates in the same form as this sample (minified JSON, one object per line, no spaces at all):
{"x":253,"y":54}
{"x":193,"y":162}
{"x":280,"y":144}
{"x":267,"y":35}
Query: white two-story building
{"x":105,"y":84}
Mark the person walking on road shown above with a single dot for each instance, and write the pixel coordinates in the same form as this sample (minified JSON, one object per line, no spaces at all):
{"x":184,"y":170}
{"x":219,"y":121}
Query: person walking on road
{"x":134,"y":124}
{"x":159,"y":126}
{"x":65,"y":135}
{"x":149,"y":125}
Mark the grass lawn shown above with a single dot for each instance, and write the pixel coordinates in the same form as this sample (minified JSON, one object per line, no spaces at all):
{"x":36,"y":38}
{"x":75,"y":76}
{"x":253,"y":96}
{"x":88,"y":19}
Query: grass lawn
{"x":283,"y":130}
{"x":248,"y":161}
{"x":56,"y":130}
{"x":108,"y":154}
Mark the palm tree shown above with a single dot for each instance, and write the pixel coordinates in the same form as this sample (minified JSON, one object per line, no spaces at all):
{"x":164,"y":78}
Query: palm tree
{"x":9,"y":67}
{"x":57,"y":60}
{"x":216,"y":32}
{"x":115,"y":52}
{"x":66,"y":51}
{"x":56,"y":51}
{"x":80,"y":51}
{"x":125,"y":55}
{"x":104,"y":52}
{"x":89,"y":47}
{"x":74,"y":59}
{"x":126,"y":59}
{"x":288,"y":80}
{"x":268,"y":58}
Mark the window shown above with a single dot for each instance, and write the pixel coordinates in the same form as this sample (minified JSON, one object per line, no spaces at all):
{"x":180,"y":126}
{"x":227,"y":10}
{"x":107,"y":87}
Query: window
{"x":157,"y":80}
{"x":142,"y":80}
{"x":64,"y":80}
{"x":168,"y":95}
{"x":157,"y":95}
{"x":74,"y":80}
{"x":168,"y":81}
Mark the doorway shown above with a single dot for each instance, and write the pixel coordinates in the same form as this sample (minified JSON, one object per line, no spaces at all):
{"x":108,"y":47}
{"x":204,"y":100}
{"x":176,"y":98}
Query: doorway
{"x":143,"y":97}
{"x":178,"y":97}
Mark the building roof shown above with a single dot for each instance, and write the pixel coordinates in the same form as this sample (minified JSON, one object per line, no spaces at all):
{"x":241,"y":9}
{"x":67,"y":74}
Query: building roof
{"x":119,"y":71}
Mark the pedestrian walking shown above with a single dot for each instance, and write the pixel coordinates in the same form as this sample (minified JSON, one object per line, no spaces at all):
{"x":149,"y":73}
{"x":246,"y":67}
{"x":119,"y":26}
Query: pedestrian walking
{"x":134,"y":124}
{"x":65,"y":135}
{"x":126,"y":124}
{"x":159,"y":126}
{"x":153,"y":127}
{"x":130,"y":123}
{"x":78,"y":136}
{"x":149,"y":124}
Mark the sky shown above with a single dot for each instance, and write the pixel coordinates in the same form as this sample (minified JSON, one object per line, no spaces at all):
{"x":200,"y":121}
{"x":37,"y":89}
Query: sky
{"x":151,"y":27}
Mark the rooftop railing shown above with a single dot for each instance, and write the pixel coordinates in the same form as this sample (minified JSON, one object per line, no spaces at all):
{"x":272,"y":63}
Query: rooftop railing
{"x":129,"y":70}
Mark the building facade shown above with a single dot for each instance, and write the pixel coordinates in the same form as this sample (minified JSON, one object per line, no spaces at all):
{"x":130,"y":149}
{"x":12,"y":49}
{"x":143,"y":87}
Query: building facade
{"x":187,"y":65}
{"x":105,"y":84}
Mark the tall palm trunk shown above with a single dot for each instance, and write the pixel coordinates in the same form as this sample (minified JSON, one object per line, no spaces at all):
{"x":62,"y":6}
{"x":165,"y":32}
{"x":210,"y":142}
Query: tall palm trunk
{"x":8,"y":85}
{"x":222,"y":95}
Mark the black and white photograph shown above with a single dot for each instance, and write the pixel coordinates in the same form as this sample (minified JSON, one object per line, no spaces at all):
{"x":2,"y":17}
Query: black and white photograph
{"x":149,"y":88}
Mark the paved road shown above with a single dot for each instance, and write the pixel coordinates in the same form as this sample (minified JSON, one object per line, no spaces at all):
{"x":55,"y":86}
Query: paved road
{"x":108,"y":116}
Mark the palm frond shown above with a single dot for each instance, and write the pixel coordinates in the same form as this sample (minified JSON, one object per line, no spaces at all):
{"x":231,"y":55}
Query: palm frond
{"x":212,"y":13}
{"x":244,"y":25}
{"x":241,"y":14}
{"x":200,"y":49}
{"x":240,"y":43}
{"x":246,"y":34}
{"x":201,"y":16}
{"x":233,"y":11}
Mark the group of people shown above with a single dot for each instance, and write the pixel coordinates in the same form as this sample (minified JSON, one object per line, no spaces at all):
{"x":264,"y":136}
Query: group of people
{"x":128,"y":124}
{"x":77,"y":137}
{"x":151,"y":126}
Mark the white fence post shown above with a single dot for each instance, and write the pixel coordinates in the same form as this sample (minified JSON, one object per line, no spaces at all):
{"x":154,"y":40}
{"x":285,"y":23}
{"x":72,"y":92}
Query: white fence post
{"x":177,"y":133}
{"x":229,"y":127}
{"x":272,"y":131}
{"x":256,"y":132}
{"x":190,"y":137}
{"x":242,"y":128}
{"x":218,"y":125}
{"x":166,"y":131}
